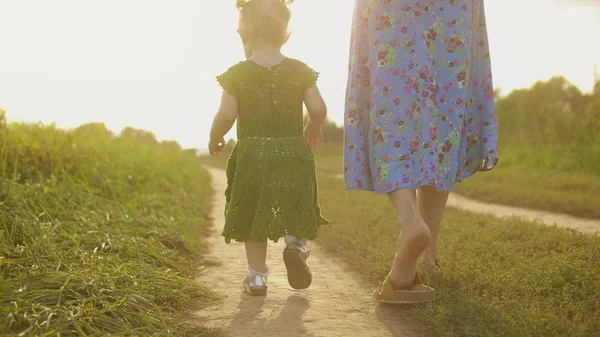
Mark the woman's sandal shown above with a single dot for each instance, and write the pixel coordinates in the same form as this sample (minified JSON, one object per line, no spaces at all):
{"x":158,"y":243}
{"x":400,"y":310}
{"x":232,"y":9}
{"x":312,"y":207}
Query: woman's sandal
{"x":416,"y":293}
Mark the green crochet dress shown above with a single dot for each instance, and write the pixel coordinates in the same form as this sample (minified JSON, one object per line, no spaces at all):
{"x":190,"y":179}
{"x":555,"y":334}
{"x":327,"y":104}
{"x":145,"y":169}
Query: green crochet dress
{"x":272,"y":183}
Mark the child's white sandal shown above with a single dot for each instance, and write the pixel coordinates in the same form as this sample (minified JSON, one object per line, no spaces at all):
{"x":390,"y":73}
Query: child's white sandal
{"x":255,"y":283}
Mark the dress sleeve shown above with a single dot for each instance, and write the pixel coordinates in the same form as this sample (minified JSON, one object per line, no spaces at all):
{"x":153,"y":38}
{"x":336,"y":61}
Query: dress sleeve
{"x":229,"y":81}
{"x":310,"y":77}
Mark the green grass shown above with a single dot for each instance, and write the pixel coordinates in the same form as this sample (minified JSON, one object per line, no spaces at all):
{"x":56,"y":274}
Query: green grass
{"x":514,"y":182}
{"x":498,"y":277}
{"x":99,"y":235}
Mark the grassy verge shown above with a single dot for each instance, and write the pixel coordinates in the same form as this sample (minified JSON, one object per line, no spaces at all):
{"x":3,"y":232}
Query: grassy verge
{"x":99,"y":235}
{"x":516,"y":182}
{"x":498,"y":277}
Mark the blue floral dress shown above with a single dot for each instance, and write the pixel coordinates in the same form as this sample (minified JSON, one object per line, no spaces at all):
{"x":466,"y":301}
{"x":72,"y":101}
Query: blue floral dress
{"x":420,"y":99}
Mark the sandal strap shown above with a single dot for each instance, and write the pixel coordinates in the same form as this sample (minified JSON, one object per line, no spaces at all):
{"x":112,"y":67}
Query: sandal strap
{"x":387,"y":288}
{"x":256,"y":281}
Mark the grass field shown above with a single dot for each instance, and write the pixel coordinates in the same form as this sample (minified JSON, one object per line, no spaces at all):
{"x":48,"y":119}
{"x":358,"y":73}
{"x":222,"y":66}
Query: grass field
{"x":498,"y":277}
{"x":99,"y":235}
{"x":516,"y":182}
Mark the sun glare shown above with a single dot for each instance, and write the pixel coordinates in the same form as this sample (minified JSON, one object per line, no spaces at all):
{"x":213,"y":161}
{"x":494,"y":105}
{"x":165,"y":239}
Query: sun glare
{"x":152,"y":64}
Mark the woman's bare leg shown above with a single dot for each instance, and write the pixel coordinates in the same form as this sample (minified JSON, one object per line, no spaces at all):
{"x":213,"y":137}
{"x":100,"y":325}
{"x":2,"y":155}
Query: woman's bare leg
{"x":413,"y":239}
{"x":431,"y":206}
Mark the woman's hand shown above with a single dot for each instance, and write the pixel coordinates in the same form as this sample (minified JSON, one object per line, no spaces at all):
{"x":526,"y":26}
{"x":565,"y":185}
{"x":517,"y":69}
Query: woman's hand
{"x":216,"y":147}
{"x":486,"y":165}
{"x":313,"y":134}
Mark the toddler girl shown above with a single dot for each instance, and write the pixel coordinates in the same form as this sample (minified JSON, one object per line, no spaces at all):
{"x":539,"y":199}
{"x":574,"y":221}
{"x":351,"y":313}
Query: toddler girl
{"x":272,"y":184}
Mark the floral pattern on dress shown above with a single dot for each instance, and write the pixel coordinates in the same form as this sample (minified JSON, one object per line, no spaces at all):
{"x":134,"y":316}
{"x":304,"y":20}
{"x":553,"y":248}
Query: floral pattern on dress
{"x":420,"y":98}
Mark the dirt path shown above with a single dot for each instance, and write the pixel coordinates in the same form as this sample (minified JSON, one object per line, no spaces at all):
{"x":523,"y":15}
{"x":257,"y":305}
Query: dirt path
{"x":336,"y":304}
{"x":547,"y":218}
{"x":500,"y":211}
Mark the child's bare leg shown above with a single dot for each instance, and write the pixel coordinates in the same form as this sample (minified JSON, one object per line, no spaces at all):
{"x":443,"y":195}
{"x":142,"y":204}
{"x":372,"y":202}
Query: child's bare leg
{"x":431,"y":206}
{"x":255,"y":283}
{"x":256,"y":254}
{"x":413,"y":239}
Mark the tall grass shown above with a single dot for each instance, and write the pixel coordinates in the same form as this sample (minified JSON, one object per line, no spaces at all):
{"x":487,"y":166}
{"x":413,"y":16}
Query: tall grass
{"x":99,"y":235}
{"x":551,"y":125}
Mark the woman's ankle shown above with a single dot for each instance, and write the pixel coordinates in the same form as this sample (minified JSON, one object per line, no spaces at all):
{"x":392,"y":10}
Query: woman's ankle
{"x":415,"y":236}
{"x":430,"y":254}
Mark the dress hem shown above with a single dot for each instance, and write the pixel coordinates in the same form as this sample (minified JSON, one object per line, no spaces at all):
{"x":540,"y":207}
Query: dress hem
{"x":275,"y":238}
{"x":415,"y":186}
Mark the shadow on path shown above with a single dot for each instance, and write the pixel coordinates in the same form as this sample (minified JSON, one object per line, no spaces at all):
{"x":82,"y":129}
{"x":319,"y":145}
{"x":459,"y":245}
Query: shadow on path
{"x":289,"y":322}
{"x":248,"y":313}
{"x":395,"y":318}
{"x":248,"y":320}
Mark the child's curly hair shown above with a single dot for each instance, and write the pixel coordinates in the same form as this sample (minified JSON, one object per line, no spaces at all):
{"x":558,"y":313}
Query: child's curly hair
{"x":264,"y":21}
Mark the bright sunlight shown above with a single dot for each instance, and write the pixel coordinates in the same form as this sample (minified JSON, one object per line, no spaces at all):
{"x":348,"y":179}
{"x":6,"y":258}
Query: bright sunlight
{"x":151,"y":64}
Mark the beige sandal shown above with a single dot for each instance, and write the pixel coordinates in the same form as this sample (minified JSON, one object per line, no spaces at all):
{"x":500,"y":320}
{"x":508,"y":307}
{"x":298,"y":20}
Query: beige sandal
{"x":417,"y":293}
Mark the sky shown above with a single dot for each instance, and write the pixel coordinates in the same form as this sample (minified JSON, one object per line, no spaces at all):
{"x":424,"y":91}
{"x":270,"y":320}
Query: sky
{"x":152,"y":64}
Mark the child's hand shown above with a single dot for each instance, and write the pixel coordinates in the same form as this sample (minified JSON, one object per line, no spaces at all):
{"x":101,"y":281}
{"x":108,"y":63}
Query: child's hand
{"x":215,"y":147}
{"x":313,"y":134}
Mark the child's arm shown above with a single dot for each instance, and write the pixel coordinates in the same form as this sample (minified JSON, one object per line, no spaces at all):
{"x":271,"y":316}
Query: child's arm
{"x":317,"y":112}
{"x":317,"y":109}
{"x":222,"y":123}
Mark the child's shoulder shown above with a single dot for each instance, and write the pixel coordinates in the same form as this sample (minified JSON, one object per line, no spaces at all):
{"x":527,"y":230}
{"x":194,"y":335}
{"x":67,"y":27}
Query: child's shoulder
{"x":234,"y":72}
{"x":242,"y":70}
{"x":288,"y":60}
{"x":229,"y":80}
{"x":307,"y":74}
{"x":246,"y":66}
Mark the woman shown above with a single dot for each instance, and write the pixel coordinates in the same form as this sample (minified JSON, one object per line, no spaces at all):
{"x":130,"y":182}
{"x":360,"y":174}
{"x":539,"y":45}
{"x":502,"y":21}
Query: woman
{"x":419,"y":116}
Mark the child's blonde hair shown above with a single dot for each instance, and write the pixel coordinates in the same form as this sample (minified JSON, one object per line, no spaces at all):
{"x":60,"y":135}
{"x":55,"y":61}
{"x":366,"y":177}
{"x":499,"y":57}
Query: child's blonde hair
{"x":264,"y":21}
